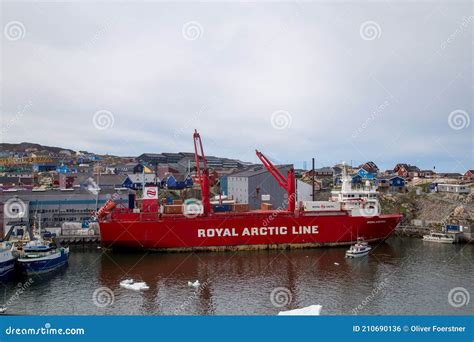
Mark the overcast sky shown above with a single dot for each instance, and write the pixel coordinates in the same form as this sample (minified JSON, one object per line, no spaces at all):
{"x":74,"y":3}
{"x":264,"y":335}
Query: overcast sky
{"x":353,"y":81}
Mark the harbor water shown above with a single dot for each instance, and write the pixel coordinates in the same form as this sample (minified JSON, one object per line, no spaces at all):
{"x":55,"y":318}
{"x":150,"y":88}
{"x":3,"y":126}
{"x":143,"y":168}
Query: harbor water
{"x":401,"y":276}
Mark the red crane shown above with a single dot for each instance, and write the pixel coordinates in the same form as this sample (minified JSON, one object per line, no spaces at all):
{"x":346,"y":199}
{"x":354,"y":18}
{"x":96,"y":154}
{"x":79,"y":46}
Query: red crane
{"x":287,"y":183}
{"x":202,"y":175}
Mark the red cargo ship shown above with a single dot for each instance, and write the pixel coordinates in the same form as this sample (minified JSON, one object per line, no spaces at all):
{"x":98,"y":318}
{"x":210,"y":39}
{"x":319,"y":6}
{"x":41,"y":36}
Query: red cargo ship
{"x":348,"y":215}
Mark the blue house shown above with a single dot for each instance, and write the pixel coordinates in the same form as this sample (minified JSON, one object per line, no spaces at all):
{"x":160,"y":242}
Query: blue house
{"x":135,"y":181}
{"x":43,"y":167}
{"x":397,"y":181}
{"x":393,"y":184}
{"x":95,"y":158}
{"x":62,"y":169}
{"x":356,"y":179}
{"x":177,"y":183}
{"x":364,"y":174}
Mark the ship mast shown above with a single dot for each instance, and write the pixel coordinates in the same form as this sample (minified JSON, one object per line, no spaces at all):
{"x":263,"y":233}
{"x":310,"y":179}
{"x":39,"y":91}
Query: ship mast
{"x":202,"y":175}
{"x":287,"y":183}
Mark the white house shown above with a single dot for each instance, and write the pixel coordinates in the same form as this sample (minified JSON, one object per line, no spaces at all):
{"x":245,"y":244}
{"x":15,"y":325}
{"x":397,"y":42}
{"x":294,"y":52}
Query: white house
{"x":453,"y":188}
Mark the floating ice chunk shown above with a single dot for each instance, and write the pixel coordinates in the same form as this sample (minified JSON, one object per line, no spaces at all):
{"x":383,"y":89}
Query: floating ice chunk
{"x":312,"y":310}
{"x":131,"y":285}
{"x":141,"y":285}
{"x":195,"y":284}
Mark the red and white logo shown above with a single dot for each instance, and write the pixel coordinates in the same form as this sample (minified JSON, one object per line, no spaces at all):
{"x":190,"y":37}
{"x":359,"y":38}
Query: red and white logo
{"x":150,"y":193}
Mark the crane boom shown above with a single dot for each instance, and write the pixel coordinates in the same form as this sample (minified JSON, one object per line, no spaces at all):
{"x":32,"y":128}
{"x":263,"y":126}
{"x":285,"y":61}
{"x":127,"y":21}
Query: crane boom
{"x":287,"y":183}
{"x":202,"y":175}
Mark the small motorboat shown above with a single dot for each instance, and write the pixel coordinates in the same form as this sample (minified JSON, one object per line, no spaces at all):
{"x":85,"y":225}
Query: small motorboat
{"x":360,"y":249}
{"x":439,"y":237}
{"x":8,"y":257}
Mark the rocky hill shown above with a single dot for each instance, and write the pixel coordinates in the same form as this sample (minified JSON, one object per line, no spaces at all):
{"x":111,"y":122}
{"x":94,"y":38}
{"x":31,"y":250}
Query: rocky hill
{"x":24,"y":146}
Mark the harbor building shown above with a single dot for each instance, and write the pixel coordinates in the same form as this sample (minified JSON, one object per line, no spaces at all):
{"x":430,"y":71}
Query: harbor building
{"x":54,"y":206}
{"x":256,"y":186}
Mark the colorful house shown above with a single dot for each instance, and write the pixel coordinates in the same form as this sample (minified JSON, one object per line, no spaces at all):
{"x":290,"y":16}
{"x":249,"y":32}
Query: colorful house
{"x":364,"y":174}
{"x":135,"y":181}
{"x":177,"y":182}
{"x":392,"y":184}
{"x":406,"y":170}
{"x":469,"y":175}
{"x":63,"y":169}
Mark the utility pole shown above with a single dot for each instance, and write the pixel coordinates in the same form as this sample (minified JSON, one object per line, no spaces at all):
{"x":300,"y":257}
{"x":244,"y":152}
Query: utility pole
{"x":312,"y":183}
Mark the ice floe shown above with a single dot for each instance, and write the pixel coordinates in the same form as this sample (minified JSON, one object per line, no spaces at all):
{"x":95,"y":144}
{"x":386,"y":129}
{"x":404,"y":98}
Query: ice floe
{"x":195,"y":284}
{"x":131,"y":285}
{"x":312,"y":310}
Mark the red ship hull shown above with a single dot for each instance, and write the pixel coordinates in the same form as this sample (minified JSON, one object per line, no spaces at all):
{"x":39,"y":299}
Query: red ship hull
{"x":234,"y":231}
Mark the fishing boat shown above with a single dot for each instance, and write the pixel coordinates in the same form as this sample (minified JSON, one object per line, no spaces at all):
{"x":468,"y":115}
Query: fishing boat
{"x":335,"y":222}
{"x":360,"y":249}
{"x":439,"y":237}
{"x":8,"y":256}
{"x":40,"y":256}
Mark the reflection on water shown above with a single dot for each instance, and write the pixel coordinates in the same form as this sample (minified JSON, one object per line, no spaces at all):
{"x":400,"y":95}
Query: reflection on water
{"x":402,"y":276}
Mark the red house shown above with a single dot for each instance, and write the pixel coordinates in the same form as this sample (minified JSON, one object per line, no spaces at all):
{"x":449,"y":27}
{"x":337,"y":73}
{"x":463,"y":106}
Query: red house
{"x":469,"y":175}
{"x":406,"y":170}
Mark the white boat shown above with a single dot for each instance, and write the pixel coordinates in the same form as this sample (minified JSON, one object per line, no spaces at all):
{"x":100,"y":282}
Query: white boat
{"x":8,"y":256}
{"x":360,"y":249}
{"x":439,"y":237}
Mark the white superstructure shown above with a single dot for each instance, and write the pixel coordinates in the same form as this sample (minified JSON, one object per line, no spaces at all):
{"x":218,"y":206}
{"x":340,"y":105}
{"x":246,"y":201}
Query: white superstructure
{"x":360,"y":202}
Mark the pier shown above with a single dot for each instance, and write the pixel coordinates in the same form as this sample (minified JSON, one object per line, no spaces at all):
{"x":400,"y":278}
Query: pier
{"x":79,"y":239}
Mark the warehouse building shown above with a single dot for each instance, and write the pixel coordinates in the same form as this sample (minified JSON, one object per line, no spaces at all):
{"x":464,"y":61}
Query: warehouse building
{"x":54,"y":206}
{"x":256,"y":185}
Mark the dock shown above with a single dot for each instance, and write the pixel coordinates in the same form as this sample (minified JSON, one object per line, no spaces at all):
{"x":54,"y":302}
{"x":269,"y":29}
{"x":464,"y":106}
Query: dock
{"x":79,"y":239}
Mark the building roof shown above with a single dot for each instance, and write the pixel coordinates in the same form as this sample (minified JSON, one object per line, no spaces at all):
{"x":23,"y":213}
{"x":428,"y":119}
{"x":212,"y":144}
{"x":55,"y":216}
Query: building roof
{"x":58,"y":192}
{"x":390,"y":177}
{"x":258,"y":169}
{"x":153,"y":155}
{"x":408,"y":167}
{"x":111,"y":179}
{"x":449,"y":174}
{"x":139,"y":177}
{"x":370,"y":167}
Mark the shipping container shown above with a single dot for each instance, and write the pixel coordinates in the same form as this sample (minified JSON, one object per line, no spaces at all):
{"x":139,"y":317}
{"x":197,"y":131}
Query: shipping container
{"x":173,"y":209}
{"x":220,"y":208}
{"x":321,"y":206}
{"x":240,"y":207}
